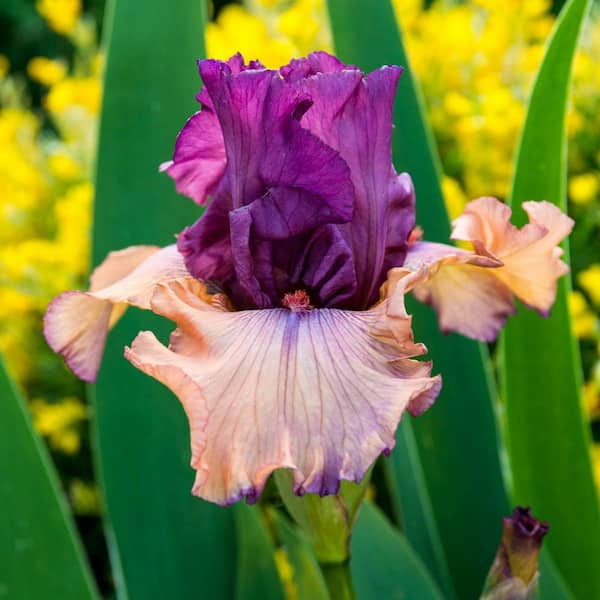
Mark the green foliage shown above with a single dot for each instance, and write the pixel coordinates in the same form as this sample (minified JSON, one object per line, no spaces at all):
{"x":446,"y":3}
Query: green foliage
{"x":551,"y":584}
{"x":383,"y":563}
{"x":412,"y":504}
{"x":170,"y":545}
{"x":256,"y":571}
{"x":307,"y":578}
{"x":40,"y":553}
{"x":548,"y":438}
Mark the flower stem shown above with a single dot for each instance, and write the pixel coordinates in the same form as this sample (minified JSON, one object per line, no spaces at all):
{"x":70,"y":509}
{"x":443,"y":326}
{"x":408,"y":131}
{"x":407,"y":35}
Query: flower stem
{"x":339,"y":580}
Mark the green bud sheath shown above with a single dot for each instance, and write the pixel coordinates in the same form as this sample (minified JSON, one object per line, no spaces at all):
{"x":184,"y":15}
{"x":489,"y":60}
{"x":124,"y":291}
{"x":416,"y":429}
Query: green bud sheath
{"x":328,"y":523}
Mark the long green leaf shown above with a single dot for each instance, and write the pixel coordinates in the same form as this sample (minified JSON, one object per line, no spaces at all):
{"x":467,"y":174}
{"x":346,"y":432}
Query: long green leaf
{"x":257,"y":575}
{"x":307,"y":577}
{"x":457,"y":439}
{"x":412,"y":504}
{"x":40,"y":553}
{"x":167,"y":543}
{"x":548,"y":438}
{"x":383,"y":563}
{"x":551,"y":585}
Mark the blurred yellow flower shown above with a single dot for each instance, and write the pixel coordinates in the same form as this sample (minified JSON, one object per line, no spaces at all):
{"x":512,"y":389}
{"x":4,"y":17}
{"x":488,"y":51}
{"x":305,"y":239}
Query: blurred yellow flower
{"x":61,"y":15}
{"x":13,"y":303}
{"x":596,"y":462}
{"x":63,"y":166}
{"x":589,"y":280}
{"x":591,"y":399}
{"x":83,"y":93}
{"x":275,"y":31}
{"x":45,"y":211}
{"x":268,"y":4}
{"x":454,"y":197}
{"x":237,"y":30}
{"x":73,"y":218}
{"x":457,"y":105}
{"x":304,"y":22}
{"x":97,"y":65}
{"x":84,"y":497}
{"x":46,"y":71}
{"x":583,"y":188}
{"x":583,"y":321}
{"x":59,"y":422}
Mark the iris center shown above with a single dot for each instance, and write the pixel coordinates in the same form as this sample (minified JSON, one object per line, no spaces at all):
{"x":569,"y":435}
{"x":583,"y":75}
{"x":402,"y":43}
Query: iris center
{"x":298,"y":301}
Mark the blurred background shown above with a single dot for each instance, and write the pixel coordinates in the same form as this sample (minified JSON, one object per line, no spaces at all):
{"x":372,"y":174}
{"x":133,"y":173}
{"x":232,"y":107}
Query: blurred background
{"x":474,"y":60}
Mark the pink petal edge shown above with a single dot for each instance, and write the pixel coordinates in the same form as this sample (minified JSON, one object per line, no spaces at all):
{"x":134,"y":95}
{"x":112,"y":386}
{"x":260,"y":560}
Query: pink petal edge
{"x":76,"y":323}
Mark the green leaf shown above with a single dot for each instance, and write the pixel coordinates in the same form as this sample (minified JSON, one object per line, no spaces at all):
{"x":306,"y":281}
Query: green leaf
{"x":456,"y":440}
{"x":383,"y":563}
{"x":167,"y":544}
{"x":547,"y":434}
{"x":307,"y":576}
{"x":412,"y":504}
{"x":551,"y":585}
{"x":40,"y":552}
{"x":257,"y":575}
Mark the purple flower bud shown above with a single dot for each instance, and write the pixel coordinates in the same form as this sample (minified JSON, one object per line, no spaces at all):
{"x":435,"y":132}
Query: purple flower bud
{"x":514,"y":571}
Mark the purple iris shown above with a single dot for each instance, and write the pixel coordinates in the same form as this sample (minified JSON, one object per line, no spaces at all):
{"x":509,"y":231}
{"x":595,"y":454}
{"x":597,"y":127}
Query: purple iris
{"x":304,"y":193}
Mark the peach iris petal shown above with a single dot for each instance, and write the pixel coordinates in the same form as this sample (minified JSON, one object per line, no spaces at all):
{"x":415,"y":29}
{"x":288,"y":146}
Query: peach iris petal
{"x":318,"y":391}
{"x":530,"y":255}
{"x":76,"y":323}
{"x":460,"y":285}
{"x":474,"y":299}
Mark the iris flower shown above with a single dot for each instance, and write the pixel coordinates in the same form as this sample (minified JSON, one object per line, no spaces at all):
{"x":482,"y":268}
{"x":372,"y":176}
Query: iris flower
{"x":292,"y":347}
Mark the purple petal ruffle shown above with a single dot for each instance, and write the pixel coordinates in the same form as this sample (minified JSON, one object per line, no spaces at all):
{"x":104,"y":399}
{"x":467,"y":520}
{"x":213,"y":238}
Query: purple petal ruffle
{"x":307,"y":197}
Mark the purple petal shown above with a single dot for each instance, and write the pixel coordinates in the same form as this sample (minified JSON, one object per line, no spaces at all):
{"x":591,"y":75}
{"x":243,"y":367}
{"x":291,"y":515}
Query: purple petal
{"x":358,"y":123}
{"x":314,"y":63}
{"x":326,"y":266}
{"x":281,"y":182}
{"x":206,"y":245}
{"x":266,"y":146}
{"x":307,"y":148}
{"x":199,"y":159}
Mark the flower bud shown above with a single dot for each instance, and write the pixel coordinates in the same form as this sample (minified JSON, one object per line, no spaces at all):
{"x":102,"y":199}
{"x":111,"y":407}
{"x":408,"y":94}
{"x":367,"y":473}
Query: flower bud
{"x":513,"y":575}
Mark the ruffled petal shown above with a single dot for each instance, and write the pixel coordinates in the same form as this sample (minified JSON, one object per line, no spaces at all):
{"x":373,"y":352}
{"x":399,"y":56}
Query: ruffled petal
{"x":461,"y":286}
{"x":307,"y":147}
{"x":266,"y":146}
{"x":280,"y":182}
{"x":199,"y":159}
{"x":530,"y":255}
{"x":319,"y":392}
{"x":353,"y":114}
{"x":76,"y":323}
{"x":313,"y":64}
{"x":472,"y":292}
